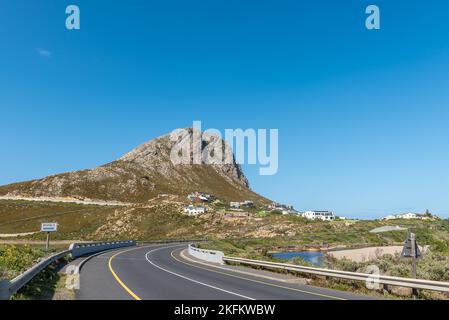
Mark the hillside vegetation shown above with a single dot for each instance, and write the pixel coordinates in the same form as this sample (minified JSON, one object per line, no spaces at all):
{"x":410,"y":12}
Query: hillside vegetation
{"x":163,"y":219}
{"x":14,"y":260}
{"x":75,"y":221}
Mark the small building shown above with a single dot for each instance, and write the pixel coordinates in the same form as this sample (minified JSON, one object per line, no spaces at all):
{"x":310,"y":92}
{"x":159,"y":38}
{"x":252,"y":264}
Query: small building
{"x":274,"y":206}
{"x":192,"y":198}
{"x":282,"y":208}
{"x":199,"y":197}
{"x":248,"y":204}
{"x":292,"y":212}
{"x":235,"y":205}
{"x":319,"y":215}
{"x":407,"y":216}
{"x":194,"y":211}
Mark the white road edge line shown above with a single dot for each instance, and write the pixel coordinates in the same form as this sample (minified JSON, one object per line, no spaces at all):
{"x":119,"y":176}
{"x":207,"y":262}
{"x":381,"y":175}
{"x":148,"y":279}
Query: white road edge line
{"x":189,"y":279}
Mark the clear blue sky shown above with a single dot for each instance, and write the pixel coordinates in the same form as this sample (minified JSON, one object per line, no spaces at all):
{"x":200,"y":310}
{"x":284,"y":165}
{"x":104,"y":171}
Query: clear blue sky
{"x":362,"y":115}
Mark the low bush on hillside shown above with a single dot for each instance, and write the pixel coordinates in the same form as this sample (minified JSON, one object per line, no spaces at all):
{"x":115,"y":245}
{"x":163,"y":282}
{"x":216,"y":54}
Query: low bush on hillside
{"x":16,"y":259}
{"x":432,"y":266}
{"x":42,"y":286}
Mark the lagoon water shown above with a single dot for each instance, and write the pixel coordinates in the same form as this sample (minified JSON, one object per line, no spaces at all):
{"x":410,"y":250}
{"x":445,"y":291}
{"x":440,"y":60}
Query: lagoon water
{"x":315,"y":258}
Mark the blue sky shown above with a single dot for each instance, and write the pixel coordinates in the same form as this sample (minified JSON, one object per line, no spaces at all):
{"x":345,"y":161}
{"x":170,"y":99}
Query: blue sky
{"x":362,"y":115}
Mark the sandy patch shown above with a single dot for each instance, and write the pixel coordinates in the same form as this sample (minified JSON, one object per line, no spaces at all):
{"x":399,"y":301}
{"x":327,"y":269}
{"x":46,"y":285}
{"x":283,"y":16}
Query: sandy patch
{"x":366,"y":254}
{"x":16,"y":235}
{"x":67,"y":200}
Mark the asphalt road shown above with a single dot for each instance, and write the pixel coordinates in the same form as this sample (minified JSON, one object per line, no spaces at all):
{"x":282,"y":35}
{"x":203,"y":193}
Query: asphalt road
{"x":159,"y":272}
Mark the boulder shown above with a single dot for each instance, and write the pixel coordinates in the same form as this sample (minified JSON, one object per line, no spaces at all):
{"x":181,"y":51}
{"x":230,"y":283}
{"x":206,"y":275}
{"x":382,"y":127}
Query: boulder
{"x":401,"y":291}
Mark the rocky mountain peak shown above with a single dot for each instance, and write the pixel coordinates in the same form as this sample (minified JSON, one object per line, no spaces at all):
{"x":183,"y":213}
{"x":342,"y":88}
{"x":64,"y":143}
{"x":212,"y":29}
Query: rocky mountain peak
{"x":140,"y":175}
{"x":155,"y":155}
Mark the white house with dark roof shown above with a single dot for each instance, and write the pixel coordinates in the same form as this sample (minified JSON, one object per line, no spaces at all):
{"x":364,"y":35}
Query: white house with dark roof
{"x":319,"y":215}
{"x":407,"y":216}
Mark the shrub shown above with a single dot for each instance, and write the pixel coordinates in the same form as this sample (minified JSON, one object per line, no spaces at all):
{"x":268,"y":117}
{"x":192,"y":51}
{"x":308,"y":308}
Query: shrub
{"x":16,"y":259}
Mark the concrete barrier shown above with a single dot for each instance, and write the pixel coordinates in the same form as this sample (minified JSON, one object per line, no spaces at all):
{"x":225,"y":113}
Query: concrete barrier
{"x":82,"y":249}
{"x":206,"y":255}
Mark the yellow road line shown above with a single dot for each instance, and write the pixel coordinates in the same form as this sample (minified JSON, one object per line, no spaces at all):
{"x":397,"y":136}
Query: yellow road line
{"x":257,"y":281}
{"x":124,"y":286}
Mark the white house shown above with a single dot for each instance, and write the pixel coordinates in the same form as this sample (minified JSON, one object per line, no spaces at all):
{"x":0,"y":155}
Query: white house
{"x":319,"y":215}
{"x":194,"y":211}
{"x":235,"y":205}
{"x":248,"y":204}
{"x":290,"y":212}
{"x":407,"y":216}
{"x":200,"y":197}
{"x":284,"y":209}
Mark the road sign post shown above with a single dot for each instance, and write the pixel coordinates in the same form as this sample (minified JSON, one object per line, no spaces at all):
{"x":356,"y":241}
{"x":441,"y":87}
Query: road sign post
{"x":47,"y":244}
{"x":48,"y":227}
{"x":413,"y":254}
{"x":411,"y":250}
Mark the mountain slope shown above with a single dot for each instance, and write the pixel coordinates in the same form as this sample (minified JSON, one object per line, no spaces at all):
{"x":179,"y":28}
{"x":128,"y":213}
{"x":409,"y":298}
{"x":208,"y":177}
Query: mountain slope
{"x":139,"y":176}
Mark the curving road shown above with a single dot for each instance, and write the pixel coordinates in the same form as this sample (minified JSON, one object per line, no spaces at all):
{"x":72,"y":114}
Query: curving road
{"x":163,"y":272}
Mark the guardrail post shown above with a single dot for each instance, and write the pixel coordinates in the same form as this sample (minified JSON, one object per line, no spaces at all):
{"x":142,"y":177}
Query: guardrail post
{"x":4,"y":289}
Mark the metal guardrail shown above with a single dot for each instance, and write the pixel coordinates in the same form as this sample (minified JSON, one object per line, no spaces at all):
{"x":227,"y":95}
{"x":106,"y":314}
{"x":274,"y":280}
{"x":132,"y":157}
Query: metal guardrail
{"x":81,"y":249}
{"x":24,"y":278}
{"x":10,"y":287}
{"x":372,"y":278}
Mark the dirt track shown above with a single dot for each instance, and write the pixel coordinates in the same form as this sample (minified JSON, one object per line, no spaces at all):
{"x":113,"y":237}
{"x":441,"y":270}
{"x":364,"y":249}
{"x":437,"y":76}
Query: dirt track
{"x":38,"y":242}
